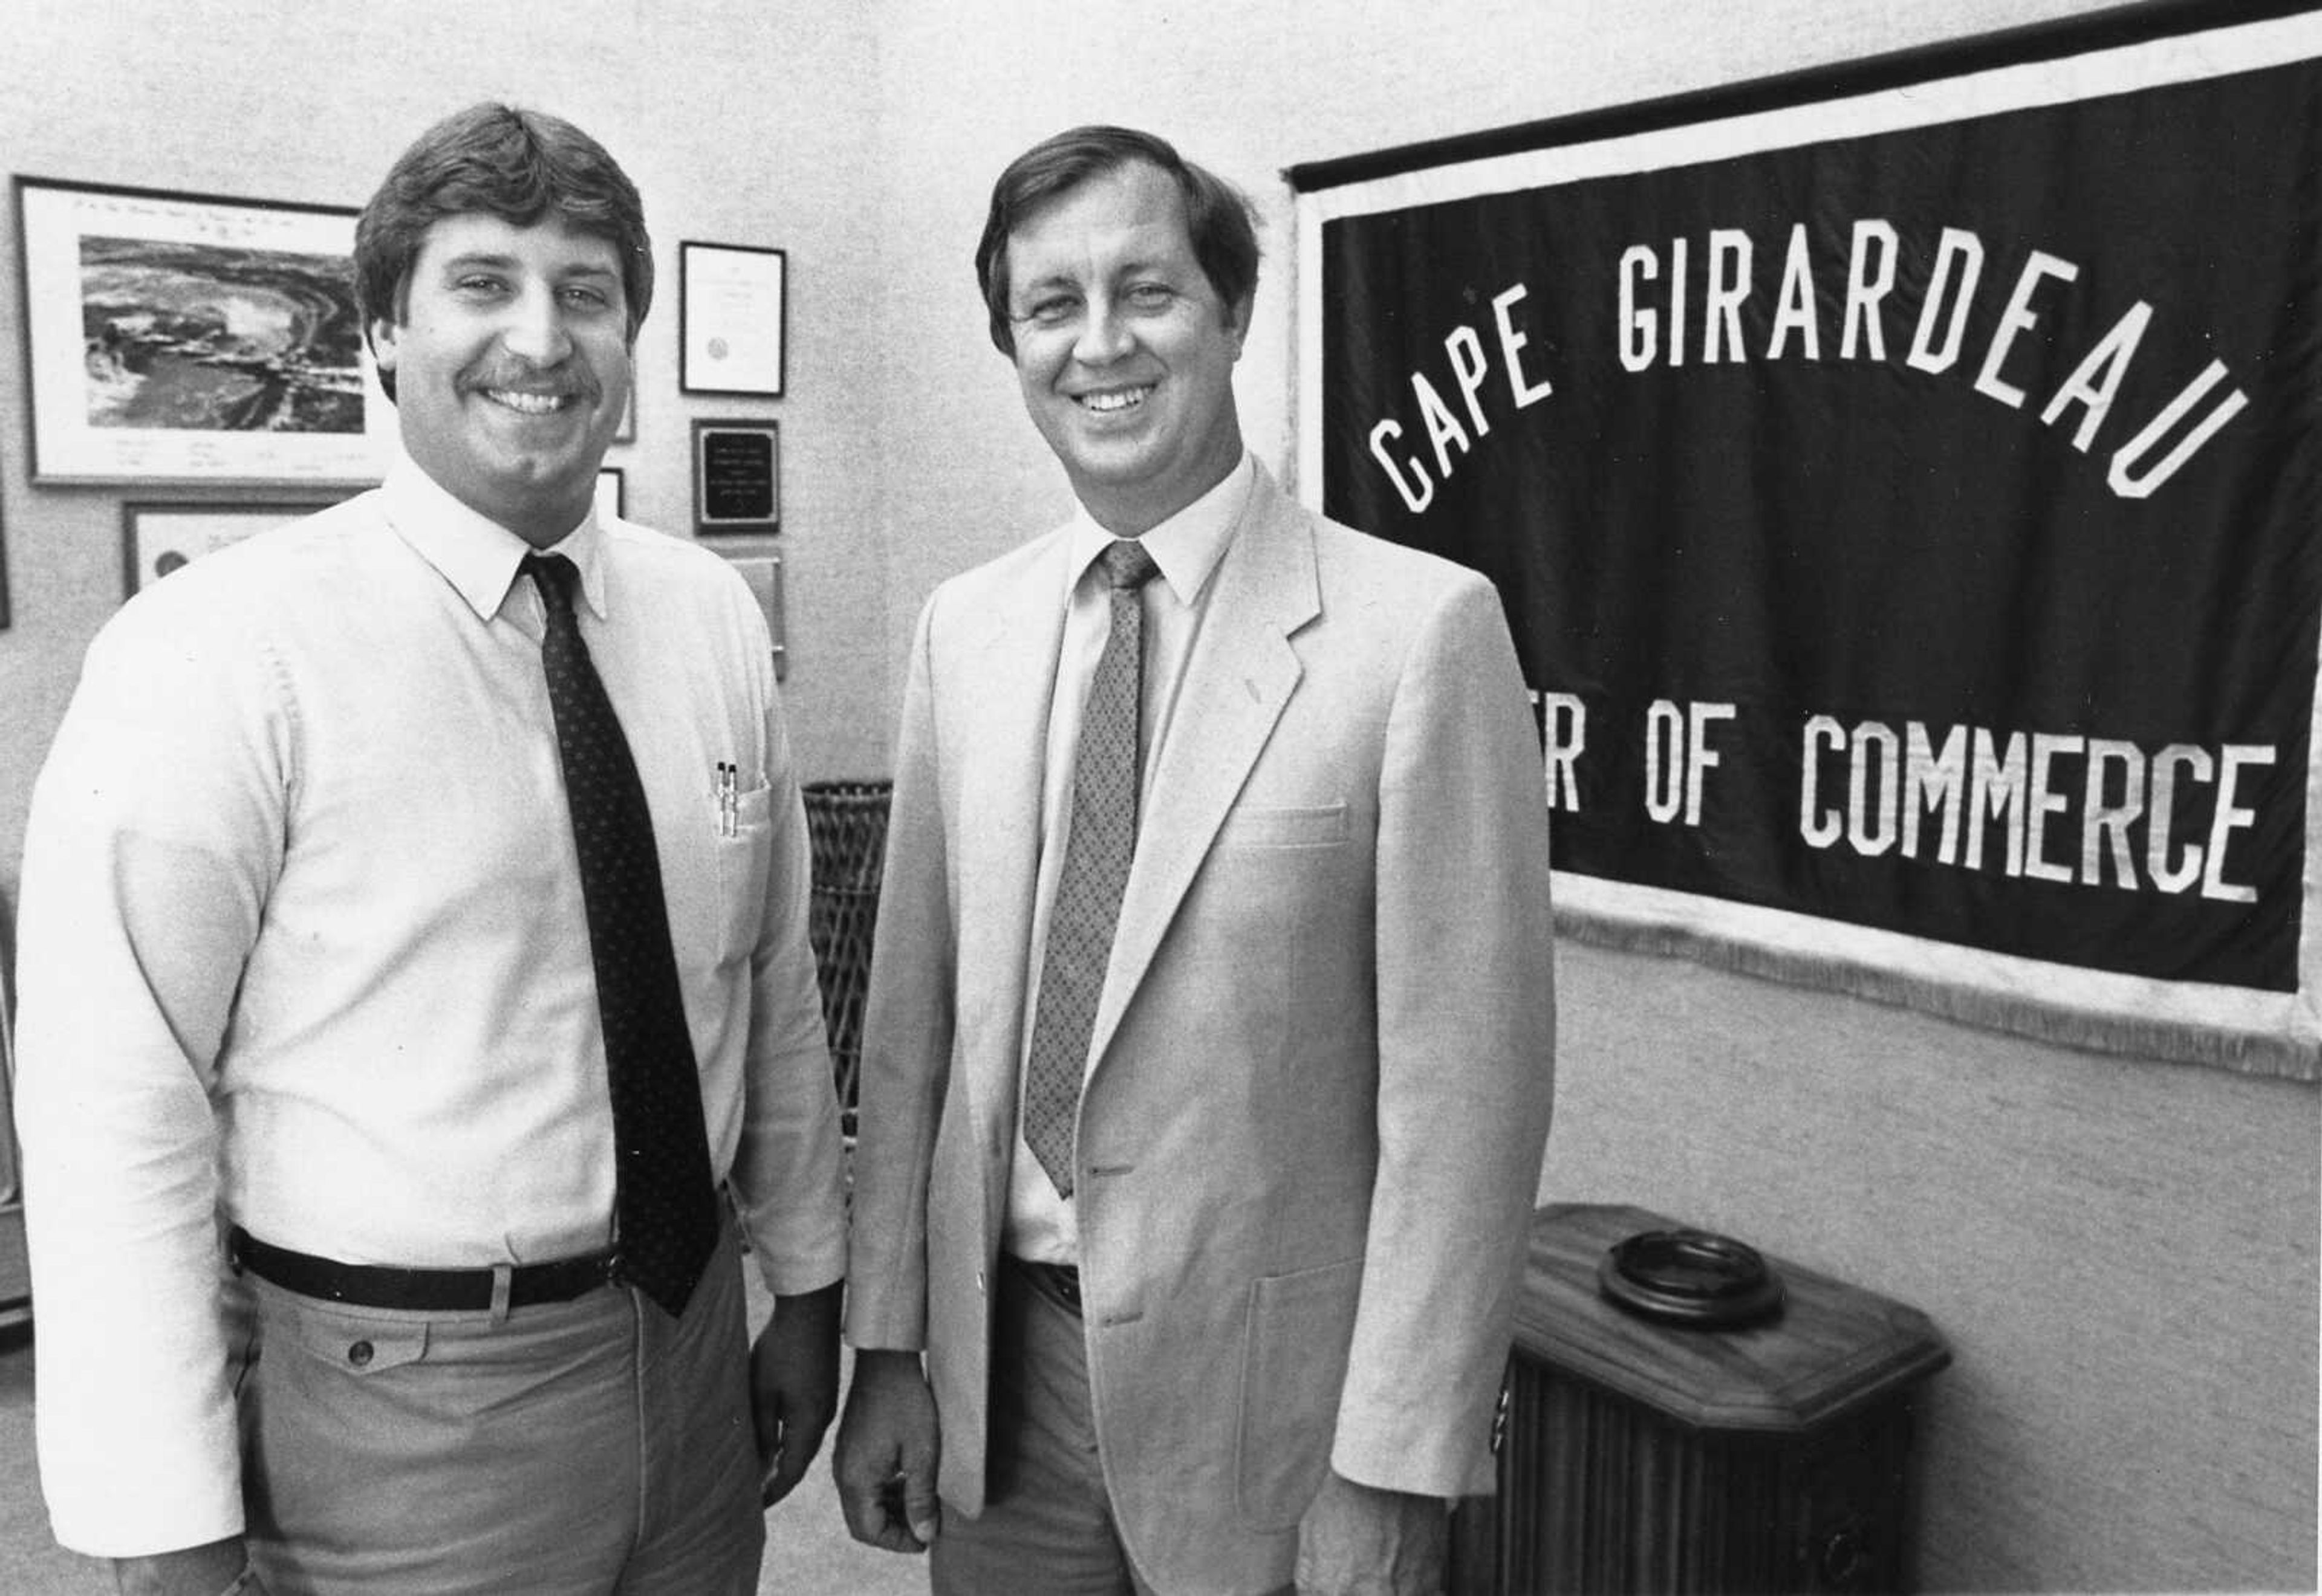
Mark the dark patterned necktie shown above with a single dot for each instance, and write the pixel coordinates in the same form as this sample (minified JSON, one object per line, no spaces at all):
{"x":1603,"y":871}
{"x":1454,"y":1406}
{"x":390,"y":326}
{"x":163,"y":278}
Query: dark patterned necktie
{"x":1097,"y":852}
{"x":665,"y":1205}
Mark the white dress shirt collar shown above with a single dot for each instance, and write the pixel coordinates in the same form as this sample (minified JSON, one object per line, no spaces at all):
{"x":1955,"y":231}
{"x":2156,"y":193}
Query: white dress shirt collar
{"x":1186,"y":546}
{"x":476,"y":554}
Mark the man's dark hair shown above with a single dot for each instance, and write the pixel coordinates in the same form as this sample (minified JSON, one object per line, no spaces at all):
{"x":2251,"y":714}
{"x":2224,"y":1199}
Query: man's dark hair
{"x":1217,"y":216}
{"x":517,"y":165}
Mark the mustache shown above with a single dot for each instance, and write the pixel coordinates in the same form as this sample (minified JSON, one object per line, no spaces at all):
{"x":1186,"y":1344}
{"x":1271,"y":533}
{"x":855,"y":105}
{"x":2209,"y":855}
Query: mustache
{"x":576,"y":381}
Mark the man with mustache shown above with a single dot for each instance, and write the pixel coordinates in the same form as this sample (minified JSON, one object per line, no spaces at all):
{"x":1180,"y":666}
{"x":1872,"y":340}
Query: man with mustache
{"x":417,"y":1008}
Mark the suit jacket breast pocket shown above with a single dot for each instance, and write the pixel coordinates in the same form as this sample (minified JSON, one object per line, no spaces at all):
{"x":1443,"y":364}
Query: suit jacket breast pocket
{"x":1317,"y":825}
{"x":1293,"y":1367}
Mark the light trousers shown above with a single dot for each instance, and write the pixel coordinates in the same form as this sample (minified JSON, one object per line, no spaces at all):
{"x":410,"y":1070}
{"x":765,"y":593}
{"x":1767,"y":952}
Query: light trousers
{"x":578,"y":1448}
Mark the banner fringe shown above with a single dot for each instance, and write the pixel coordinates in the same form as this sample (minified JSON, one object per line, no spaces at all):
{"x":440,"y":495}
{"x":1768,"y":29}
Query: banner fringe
{"x":2266,"y":1053}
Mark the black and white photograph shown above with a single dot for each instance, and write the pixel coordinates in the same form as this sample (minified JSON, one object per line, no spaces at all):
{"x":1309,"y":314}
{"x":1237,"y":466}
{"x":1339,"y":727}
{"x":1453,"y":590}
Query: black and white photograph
{"x":1263,"y":797}
{"x":182,"y":339}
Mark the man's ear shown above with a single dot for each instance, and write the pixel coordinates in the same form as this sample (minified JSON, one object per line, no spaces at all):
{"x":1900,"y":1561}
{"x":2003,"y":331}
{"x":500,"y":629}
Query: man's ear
{"x":1238,"y":321}
{"x":383,"y":342}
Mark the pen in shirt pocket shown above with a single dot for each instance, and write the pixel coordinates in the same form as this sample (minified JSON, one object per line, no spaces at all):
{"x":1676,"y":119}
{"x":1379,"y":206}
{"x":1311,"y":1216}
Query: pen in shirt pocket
{"x":730,"y":799}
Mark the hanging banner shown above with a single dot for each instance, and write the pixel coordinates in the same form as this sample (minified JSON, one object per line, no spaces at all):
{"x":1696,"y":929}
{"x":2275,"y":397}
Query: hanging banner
{"x":1907,"y":508}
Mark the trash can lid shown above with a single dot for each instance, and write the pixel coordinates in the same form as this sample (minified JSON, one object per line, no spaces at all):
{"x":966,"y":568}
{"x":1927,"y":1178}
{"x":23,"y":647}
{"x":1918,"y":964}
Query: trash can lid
{"x":1690,"y":1277}
{"x":1830,"y":1348}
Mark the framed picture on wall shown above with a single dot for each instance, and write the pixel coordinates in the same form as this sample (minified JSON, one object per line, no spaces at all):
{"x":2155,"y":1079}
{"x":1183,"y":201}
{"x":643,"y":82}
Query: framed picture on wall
{"x":737,"y":477}
{"x":612,"y":492}
{"x":731,"y":310}
{"x":193,"y":339}
{"x":156,"y":539}
{"x":15,"y":1272}
{"x":763,"y":573}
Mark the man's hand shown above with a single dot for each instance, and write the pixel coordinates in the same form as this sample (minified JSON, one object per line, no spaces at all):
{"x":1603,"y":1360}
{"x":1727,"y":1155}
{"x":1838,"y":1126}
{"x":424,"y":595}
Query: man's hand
{"x":1359,"y":1541}
{"x":214,"y":1569}
{"x":885,"y":1460}
{"x":794,"y":1387}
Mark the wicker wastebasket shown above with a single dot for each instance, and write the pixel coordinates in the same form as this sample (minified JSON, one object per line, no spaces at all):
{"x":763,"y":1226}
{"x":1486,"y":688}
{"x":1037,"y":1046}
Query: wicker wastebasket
{"x":846,"y":824}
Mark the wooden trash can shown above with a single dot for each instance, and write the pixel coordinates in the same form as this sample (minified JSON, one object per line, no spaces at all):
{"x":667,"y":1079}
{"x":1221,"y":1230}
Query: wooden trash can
{"x":1645,"y":1455}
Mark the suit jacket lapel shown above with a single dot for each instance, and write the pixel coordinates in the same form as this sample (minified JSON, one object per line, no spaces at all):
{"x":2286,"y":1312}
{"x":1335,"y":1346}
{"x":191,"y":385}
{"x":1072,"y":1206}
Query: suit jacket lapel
{"x":1241,"y":673}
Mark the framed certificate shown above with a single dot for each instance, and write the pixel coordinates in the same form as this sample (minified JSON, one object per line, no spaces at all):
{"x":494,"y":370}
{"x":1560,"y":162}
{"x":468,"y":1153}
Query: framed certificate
{"x":731,"y":311}
{"x":763,"y":573}
{"x":15,"y":1271}
{"x":737,"y":477}
{"x":156,"y":539}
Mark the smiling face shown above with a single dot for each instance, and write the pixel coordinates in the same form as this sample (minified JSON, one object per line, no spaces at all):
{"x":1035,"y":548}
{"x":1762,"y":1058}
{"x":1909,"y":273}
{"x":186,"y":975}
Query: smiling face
{"x":1124,"y":350}
{"x":511,"y":363}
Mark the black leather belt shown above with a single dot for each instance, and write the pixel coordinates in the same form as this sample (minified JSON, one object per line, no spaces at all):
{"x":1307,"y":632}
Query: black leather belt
{"x":433,"y":1291}
{"x":1061,"y":1283}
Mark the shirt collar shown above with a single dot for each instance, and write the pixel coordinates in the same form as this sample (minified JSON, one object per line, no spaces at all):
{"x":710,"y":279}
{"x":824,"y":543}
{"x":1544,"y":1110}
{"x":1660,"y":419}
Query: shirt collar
{"x":1187,"y":545}
{"x":476,"y":554}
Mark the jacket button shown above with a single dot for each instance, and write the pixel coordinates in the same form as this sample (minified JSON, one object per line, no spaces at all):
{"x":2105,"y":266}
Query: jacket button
{"x":359,"y":1354}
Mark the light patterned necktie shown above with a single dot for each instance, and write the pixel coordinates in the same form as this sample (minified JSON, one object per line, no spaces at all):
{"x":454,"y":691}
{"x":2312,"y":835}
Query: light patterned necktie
{"x":1097,"y":850}
{"x":665,"y":1205}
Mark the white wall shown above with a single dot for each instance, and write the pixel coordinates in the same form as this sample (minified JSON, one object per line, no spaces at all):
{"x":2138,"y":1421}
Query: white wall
{"x":2122,"y":1253}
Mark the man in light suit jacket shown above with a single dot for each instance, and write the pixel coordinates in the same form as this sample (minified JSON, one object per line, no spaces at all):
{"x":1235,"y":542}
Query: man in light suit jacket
{"x":1238,"y":1312}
